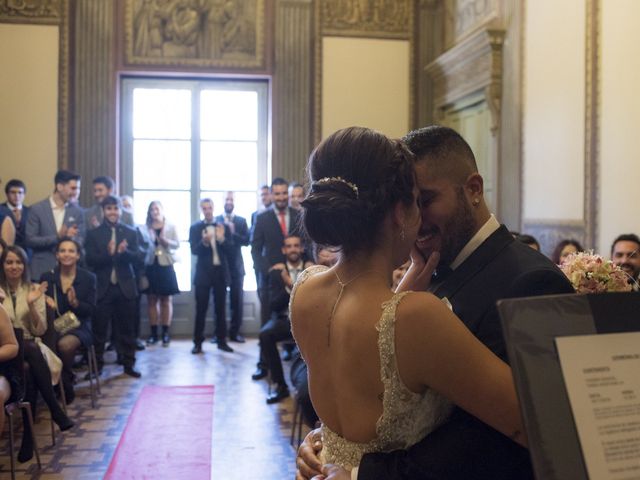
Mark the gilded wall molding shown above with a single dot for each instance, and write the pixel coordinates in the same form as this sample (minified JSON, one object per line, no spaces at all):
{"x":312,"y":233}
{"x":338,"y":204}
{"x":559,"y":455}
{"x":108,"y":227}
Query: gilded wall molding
{"x":366,"y":18}
{"x":592,"y":122}
{"x":550,"y":232}
{"x":203,"y":33}
{"x":32,"y":11}
{"x":474,"y":64}
{"x":64,"y":86}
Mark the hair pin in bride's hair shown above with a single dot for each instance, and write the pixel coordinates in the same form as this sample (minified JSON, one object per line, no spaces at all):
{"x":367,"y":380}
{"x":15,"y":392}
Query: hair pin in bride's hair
{"x":352,"y":186}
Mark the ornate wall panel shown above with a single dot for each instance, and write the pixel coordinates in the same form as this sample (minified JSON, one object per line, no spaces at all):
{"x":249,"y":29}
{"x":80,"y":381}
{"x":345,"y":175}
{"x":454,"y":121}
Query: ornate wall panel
{"x":472,"y":65}
{"x":549,"y":233}
{"x":463,"y":17}
{"x":94,"y":85}
{"x":293,"y":88}
{"x":428,"y":44}
{"x":200,"y":33}
{"x":32,"y":11}
{"x":366,"y":18}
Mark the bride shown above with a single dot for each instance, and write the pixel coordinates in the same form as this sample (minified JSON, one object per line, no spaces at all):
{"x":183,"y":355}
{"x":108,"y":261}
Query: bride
{"x":385,"y":368}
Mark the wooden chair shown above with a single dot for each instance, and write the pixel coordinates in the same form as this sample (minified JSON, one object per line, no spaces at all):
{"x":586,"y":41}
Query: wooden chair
{"x":17,"y":403}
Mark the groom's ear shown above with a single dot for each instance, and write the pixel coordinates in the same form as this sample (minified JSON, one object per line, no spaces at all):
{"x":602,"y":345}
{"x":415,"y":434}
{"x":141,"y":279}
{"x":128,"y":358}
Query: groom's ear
{"x":474,"y":186}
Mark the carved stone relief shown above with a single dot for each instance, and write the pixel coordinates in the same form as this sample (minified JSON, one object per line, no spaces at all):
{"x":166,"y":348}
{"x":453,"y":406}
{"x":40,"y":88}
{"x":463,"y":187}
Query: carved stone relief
{"x":366,"y":18}
{"x":30,"y":11}
{"x":464,"y":16}
{"x":201,"y":33}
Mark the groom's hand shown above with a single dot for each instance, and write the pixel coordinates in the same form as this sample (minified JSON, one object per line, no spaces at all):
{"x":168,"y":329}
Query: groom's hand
{"x":333,"y":472}
{"x":308,"y":462}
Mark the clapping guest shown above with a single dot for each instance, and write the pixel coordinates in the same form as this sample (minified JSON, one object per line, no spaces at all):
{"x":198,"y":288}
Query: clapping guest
{"x":564,"y":249}
{"x":25,"y":304}
{"x":102,"y":187}
{"x":71,"y":288}
{"x":8,"y":351}
{"x":159,"y":270}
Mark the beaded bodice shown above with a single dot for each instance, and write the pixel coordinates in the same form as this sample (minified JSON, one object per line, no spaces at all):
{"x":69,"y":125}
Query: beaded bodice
{"x":407,"y":417}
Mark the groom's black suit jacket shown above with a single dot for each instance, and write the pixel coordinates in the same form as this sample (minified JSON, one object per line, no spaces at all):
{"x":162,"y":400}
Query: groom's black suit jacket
{"x":464,"y":448}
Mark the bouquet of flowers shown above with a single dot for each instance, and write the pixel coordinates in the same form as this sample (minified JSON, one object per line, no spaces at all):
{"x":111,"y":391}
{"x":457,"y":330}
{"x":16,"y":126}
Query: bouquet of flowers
{"x":590,"y":273}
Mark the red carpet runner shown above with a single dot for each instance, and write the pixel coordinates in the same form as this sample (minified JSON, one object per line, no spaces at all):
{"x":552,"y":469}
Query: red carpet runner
{"x":168,"y":435}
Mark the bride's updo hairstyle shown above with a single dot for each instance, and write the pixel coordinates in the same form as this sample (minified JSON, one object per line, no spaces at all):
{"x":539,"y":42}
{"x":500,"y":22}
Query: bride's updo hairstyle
{"x":356,"y":176}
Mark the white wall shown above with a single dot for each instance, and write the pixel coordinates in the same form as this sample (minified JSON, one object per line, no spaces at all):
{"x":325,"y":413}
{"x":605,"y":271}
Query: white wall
{"x":553,"y":111}
{"x":365,"y":82}
{"x":619,"y":204}
{"x":29,"y":106}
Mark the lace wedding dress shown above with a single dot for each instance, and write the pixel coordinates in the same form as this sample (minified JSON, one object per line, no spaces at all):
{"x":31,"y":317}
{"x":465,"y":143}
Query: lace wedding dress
{"x":407,"y":417}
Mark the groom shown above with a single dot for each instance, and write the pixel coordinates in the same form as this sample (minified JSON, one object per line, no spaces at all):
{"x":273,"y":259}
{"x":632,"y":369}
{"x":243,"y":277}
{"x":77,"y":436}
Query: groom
{"x":480,"y":263}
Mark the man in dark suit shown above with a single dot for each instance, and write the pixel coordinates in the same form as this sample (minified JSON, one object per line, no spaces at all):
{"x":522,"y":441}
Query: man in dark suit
{"x":267,"y":238}
{"x":209,"y":243}
{"x":17,"y":211}
{"x":53,"y":218}
{"x":480,"y":263}
{"x":114,"y":254}
{"x":239,"y":237}
{"x":281,"y":278}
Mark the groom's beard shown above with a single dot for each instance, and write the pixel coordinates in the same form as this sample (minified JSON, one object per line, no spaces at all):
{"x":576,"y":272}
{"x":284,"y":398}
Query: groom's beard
{"x":458,"y":231}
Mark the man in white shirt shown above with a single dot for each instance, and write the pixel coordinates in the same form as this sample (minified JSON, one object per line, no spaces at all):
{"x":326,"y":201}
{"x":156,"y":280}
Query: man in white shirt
{"x":51,"y":219}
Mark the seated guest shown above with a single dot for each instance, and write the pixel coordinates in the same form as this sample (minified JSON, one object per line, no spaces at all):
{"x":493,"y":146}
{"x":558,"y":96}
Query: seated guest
{"x":51,"y":219}
{"x":281,"y":279}
{"x":25,"y":304}
{"x":625,"y":252}
{"x":71,"y":288}
{"x":564,"y":249}
{"x":529,"y":240}
{"x":8,"y":351}
{"x":102,"y":188}
{"x":114,"y":254}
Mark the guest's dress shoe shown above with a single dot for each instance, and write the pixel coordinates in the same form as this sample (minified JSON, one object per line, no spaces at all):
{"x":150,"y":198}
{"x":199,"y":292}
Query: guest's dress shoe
{"x":286,"y":356}
{"x":259,"y":374}
{"x":197,"y":348}
{"x":237,"y":338}
{"x":61,"y":419}
{"x":281,"y":392}
{"x":132,"y":372}
{"x":152,"y":340}
{"x":224,"y":347}
{"x":165,"y":339}
{"x":139,"y":345}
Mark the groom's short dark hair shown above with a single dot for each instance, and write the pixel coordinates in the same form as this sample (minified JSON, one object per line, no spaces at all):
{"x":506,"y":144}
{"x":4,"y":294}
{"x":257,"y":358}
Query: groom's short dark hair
{"x":448,"y":154}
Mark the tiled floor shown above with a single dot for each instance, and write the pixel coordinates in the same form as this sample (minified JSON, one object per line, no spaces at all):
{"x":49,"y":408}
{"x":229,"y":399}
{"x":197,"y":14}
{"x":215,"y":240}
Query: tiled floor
{"x":249,"y":437}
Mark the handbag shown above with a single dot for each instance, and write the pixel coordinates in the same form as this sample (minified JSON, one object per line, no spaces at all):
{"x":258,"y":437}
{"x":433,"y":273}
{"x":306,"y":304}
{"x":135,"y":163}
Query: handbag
{"x":53,"y":361}
{"x":65,"y":322}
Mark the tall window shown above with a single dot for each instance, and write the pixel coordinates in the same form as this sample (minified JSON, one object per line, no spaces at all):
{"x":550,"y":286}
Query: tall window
{"x":187,"y":140}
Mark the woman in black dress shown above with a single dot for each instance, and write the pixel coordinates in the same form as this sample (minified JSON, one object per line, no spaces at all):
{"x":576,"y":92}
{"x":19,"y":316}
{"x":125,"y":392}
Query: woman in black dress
{"x":71,"y":288}
{"x":160,"y":273}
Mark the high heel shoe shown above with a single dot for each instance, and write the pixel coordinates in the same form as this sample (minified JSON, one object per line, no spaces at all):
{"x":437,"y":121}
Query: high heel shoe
{"x":61,"y":419}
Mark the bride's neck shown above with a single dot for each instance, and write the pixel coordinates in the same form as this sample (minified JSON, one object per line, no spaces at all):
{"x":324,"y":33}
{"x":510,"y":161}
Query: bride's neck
{"x":357,"y":264}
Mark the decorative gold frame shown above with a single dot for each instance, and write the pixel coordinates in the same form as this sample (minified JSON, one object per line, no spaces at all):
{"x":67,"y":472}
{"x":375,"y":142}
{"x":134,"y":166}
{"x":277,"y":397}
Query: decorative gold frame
{"x":44,"y":12}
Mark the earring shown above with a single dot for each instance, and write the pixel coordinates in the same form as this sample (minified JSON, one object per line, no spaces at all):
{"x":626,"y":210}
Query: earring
{"x":402,"y":234}
{"x":476,"y":201}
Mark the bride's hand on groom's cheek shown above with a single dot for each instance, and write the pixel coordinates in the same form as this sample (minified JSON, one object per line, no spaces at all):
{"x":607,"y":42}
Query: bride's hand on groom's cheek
{"x":418,"y":276}
{"x":307,"y":462}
